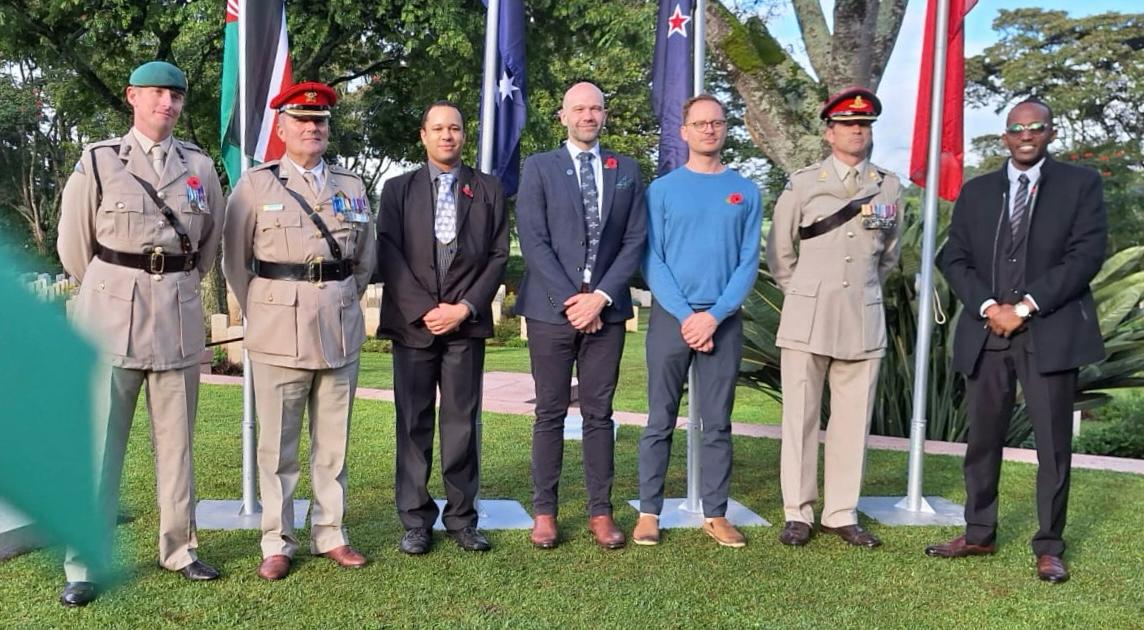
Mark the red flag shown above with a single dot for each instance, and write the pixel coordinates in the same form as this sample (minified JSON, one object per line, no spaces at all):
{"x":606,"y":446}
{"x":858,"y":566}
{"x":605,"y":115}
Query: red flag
{"x":953,"y":105}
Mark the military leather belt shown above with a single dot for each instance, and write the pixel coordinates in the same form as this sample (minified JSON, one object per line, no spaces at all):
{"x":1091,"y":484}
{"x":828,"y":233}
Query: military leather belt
{"x":847,"y":212}
{"x":314,"y":271}
{"x":153,"y":262}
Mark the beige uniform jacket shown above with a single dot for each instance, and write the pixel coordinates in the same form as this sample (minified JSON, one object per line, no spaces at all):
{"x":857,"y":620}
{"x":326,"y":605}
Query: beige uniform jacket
{"x":291,"y":323}
{"x":142,"y":321}
{"x":832,"y":284}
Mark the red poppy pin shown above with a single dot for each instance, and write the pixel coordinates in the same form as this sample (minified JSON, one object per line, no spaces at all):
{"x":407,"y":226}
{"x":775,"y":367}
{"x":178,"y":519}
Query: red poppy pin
{"x":734,"y":199}
{"x":193,"y":181}
{"x":468,"y":192}
{"x":610,"y":162}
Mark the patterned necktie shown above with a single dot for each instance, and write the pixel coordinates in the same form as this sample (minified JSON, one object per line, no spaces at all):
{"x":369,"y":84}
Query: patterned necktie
{"x":851,"y":181}
{"x":445,"y":221}
{"x":311,"y":181}
{"x":158,"y":159}
{"x":591,"y":207}
{"x":1020,"y":204}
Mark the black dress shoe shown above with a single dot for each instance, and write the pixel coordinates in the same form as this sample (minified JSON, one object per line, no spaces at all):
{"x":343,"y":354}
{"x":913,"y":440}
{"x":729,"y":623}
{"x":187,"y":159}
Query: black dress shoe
{"x":416,"y":541}
{"x":77,"y":594}
{"x":795,"y":534}
{"x":470,"y":539}
{"x":853,"y":535}
{"x":199,"y":571}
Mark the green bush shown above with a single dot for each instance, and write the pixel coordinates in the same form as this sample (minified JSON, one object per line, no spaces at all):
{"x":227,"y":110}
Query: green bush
{"x":1122,"y":433}
{"x":373,"y":344}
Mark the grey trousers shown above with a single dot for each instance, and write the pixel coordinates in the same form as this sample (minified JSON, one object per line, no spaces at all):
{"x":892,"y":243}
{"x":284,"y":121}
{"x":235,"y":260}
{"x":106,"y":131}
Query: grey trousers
{"x":668,"y":360}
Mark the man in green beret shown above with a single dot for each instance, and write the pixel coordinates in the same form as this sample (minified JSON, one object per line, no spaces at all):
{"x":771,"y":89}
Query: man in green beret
{"x":140,"y":223}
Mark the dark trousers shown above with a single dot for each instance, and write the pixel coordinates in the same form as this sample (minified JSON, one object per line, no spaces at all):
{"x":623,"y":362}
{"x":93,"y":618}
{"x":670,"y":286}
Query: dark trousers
{"x":668,"y":360}
{"x":456,"y":366}
{"x":553,"y":349}
{"x":1049,"y":398}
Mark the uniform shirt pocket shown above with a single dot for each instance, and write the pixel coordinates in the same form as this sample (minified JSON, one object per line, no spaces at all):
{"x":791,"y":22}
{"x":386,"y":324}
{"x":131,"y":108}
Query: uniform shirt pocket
{"x":192,"y":334}
{"x":272,"y":321}
{"x":124,"y":212}
{"x":282,"y":234}
{"x":873,"y":319}
{"x":106,"y":311}
{"x":799,"y":305}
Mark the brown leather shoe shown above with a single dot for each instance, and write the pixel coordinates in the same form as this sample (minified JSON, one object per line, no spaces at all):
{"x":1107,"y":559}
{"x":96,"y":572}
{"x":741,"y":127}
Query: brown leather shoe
{"x":795,"y":533}
{"x":346,"y":556}
{"x":647,"y":530}
{"x":544,"y":533}
{"x":854,"y":535}
{"x":274,"y":567}
{"x":958,"y":548}
{"x":1052,"y":569}
{"x":723,"y":532}
{"x":607,"y":534}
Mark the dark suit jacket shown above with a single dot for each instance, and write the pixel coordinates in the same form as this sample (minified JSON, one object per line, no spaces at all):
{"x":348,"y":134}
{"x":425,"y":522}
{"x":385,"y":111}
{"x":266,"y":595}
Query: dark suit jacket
{"x":1067,"y":238}
{"x":406,"y":254}
{"x":553,"y":237}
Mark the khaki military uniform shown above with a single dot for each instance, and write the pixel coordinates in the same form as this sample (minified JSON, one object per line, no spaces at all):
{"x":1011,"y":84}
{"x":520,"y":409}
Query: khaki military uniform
{"x":149,"y":327}
{"x":833,"y":327}
{"x":304,"y":338}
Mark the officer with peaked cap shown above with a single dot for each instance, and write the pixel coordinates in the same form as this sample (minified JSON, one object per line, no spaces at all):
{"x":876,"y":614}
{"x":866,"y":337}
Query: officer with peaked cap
{"x":833,"y":240}
{"x":140,"y":223}
{"x":298,"y":252}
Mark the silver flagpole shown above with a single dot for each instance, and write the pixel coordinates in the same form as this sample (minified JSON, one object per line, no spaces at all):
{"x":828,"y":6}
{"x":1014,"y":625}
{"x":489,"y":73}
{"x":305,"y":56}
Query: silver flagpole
{"x":915,"y":509}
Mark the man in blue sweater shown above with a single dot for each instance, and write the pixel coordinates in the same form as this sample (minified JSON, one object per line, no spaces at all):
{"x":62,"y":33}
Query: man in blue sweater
{"x":704,"y":223}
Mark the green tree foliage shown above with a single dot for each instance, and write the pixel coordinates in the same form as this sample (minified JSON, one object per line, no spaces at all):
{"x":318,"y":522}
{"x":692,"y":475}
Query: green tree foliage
{"x":1090,"y":70}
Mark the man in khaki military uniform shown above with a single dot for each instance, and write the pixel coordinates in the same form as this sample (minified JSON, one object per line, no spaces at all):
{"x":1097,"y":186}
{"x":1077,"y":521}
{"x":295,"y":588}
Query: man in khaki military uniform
{"x":298,"y":253}
{"x":834,"y":238}
{"x":140,"y":223}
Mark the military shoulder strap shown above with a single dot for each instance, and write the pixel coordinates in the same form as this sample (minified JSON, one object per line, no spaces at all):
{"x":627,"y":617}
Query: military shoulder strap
{"x":335,"y":249}
{"x":847,"y":212}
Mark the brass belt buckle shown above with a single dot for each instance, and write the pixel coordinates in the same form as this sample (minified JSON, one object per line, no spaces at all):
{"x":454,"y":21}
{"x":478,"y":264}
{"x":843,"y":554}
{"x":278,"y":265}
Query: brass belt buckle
{"x":157,"y":263}
{"x":314,"y":271}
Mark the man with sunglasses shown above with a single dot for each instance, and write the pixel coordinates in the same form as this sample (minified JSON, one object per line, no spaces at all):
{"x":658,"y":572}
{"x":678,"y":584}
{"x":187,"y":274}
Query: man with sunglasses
{"x":834,"y":239}
{"x":1024,"y":244}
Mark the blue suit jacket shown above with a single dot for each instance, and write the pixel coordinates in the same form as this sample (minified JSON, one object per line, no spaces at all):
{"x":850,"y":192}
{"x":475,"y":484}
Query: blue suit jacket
{"x":553,"y":236}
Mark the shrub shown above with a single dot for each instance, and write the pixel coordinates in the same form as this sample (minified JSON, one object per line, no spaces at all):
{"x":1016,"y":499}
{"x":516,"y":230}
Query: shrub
{"x":1121,"y":436}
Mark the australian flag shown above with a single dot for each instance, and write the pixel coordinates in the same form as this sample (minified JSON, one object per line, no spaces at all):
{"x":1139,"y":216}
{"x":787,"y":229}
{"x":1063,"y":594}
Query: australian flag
{"x":672,"y":80}
{"x":511,"y":108}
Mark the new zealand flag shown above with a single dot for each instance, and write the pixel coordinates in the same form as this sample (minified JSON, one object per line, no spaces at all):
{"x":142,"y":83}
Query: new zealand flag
{"x":672,"y":80}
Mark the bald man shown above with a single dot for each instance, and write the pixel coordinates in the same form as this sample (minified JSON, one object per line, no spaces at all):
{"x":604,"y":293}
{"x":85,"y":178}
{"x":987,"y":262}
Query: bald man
{"x":582,"y":221}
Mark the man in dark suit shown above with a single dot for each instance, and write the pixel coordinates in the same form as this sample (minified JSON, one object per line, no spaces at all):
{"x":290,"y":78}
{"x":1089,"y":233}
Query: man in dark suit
{"x":1024,"y":244}
{"x":582,"y":221}
{"x":442,"y":249}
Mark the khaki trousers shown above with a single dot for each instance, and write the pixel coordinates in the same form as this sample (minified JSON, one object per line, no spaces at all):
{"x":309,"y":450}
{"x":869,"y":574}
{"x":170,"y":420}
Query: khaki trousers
{"x":281,"y":394}
{"x":852,"y":385}
{"x":172,"y":398}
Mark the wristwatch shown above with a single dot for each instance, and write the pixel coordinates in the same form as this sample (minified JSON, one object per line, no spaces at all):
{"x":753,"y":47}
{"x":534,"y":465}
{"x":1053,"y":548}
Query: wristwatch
{"x":1022,"y":310}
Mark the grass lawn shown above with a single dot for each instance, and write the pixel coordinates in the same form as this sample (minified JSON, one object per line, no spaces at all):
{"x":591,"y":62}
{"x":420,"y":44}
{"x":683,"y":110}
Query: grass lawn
{"x":751,"y":405}
{"x":685,"y":582}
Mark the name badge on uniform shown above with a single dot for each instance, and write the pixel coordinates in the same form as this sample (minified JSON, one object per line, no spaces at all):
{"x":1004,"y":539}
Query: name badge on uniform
{"x":879,"y":216}
{"x":272,"y":207}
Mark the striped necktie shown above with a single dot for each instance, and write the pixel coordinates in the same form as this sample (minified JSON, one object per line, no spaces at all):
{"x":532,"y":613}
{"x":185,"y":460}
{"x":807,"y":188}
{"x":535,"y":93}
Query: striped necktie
{"x":1020,"y":205}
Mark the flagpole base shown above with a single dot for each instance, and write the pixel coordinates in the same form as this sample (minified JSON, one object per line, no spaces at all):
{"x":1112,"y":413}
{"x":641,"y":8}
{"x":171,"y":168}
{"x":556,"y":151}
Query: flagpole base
{"x":675,"y":515}
{"x":935,"y":511}
{"x":493,"y":514}
{"x":17,"y":535}
{"x":227,"y":515}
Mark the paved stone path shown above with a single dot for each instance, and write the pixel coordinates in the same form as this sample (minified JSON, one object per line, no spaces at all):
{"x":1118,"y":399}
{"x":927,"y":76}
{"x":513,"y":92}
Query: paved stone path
{"x":510,"y":392}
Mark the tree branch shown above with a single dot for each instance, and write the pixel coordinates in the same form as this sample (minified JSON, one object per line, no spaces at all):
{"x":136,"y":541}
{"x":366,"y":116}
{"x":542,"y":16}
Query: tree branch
{"x":815,"y":33}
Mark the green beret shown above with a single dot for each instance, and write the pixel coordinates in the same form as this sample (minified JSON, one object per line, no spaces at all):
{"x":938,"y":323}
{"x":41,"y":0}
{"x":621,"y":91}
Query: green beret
{"x":159,"y":74}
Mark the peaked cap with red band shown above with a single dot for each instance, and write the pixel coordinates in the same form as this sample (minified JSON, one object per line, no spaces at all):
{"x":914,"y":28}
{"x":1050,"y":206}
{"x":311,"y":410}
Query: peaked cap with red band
{"x":305,"y":100}
{"x":853,"y":103}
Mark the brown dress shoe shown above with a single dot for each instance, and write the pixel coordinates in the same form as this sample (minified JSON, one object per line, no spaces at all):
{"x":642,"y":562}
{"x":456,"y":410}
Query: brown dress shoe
{"x":1052,"y":569}
{"x":723,"y":532}
{"x":854,"y":535}
{"x":274,"y":567}
{"x":346,"y":556}
{"x":958,"y":548}
{"x":607,"y":534}
{"x":795,"y":533}
{"x":544,"y":532}
{"x":647,"y":530}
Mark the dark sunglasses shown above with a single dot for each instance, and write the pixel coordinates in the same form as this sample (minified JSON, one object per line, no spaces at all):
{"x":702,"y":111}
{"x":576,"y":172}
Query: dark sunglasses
{"x":1017,"y":129}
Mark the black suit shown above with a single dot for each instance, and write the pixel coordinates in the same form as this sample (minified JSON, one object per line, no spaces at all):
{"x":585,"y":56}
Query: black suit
{"x":1052,"y":257}
{"x":422,"y":361}
{"x":554,"y":242}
